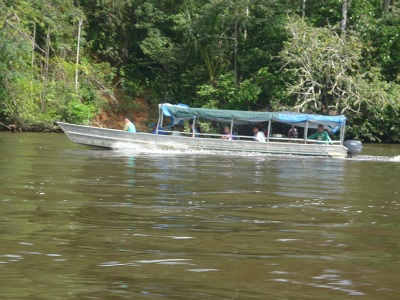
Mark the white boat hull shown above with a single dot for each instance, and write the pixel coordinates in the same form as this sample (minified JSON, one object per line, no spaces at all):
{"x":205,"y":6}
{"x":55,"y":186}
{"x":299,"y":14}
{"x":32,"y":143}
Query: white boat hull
{"x":117,"y":139}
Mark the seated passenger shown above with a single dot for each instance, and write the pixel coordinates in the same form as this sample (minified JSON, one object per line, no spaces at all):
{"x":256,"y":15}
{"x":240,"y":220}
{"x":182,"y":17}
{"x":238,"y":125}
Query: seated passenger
{"x":259,"y":136}
{"x":321,"y":136}
{"x":154,"y":129}
{"x":177,"y":130}
{"x":194,"y":131}
{"x":293,"y":133}
{"x":129,"y":126}
{"x":227,"y":134}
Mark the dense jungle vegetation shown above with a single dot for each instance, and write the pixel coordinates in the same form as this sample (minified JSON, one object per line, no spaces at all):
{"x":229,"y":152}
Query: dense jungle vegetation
{"x":72,"y":59}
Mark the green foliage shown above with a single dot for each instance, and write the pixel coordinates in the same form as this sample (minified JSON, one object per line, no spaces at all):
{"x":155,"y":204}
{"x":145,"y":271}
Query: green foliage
{"x":15,"y":81}
{"x":327,"y":76}
{"x":273,"y":88}
{"x":321,"y":12}
{"x":160,"y":49}
{"x":227,"y":95}
{"x":382,"y":41}
{"x":78,"y":113}
{"x":323,"y":66}
{"x":38,"y":83}
{"x":376,"y":124}
{"x":236,"y":54}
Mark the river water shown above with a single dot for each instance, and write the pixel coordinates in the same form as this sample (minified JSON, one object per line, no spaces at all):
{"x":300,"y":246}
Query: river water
{"x":80,"y":223}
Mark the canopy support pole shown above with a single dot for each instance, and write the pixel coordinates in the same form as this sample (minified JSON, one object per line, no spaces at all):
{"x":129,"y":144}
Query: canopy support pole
{"x":194,"y":127}
{"x":342,"y":131}
{"x":160,"y":119}
{"x":231,"y":128}
{"x":306,"y":133}
{"x":269,"y":130}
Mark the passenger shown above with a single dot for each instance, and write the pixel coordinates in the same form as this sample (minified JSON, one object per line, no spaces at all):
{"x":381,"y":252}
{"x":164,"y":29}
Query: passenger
{"x":321,"y":136}
{"x":129,"y":126}
{"x":293,"y":133}
{"x":235,"y":136}
{"x":227,"y":134}
{"x":198,"y":128}
{"x":177,"y":130}
{"x":194,"y":131}
{"x":154,"y":129}
{"x":259,"y":136}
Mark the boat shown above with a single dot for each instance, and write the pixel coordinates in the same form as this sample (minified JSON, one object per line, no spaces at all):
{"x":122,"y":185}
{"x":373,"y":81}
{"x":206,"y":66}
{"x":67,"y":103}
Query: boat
{"x":275,"y":143}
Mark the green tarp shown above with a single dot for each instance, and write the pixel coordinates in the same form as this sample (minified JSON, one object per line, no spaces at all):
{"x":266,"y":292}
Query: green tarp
{"x":332,"y":123}
{"x":221,"y":115}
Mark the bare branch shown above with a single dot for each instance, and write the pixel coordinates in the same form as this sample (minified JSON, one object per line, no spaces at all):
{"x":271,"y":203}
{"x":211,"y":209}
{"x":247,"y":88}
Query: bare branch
{"x":27,"y":35}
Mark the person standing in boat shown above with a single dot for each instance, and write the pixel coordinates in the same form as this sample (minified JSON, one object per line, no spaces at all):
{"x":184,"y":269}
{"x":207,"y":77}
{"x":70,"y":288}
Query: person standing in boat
{"x":129,"y":126}
{"x":259,"y":136}
{"x":321,"y":135}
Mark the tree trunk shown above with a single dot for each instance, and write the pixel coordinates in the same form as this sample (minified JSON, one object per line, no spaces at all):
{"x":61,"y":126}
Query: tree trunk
{"x":247,"y":16}
{"x":77,"y":56}
{"x":46,"y":71}
{"x":303,"y":9}
{"x":345,"y":8}
{"x":235,"y":44}
{"x":235,"y":52}
{"x":386,"y":5}
{"x":33,"y":58}
{"x":33,"y":46}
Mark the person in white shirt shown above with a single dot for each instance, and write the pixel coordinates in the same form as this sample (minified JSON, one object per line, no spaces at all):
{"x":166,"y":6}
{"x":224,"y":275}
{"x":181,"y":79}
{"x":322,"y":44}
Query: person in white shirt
{"x":259,"y":136}
{"x":293,"y":133}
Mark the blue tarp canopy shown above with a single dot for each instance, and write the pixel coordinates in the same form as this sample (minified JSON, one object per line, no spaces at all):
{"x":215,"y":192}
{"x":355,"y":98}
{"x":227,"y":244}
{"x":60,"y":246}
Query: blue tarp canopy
{"x":331,"y":123}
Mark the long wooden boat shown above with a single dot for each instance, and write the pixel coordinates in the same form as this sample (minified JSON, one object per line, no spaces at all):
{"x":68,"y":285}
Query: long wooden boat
{"x":117,"y":139}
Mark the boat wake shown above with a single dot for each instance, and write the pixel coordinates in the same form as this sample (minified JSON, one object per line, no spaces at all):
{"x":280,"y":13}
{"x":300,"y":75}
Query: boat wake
{"x":158,"y":150}
{"x":376,"y":158}
{"x":128,"y":149}
{"x":153,"y":149}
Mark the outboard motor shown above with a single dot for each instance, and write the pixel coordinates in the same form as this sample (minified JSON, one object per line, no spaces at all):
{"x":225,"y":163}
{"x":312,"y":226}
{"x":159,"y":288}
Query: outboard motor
{"x":353,"y":147}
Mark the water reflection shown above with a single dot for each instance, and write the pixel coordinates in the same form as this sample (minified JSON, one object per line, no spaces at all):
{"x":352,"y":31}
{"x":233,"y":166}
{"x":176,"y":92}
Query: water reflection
{"x":131,"y":171}
{"x":329,"y":279}
{"x":311,"y":178}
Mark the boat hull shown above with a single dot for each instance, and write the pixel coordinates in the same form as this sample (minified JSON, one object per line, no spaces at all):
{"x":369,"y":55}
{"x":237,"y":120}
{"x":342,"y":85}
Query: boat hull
{"x":117,"y":139}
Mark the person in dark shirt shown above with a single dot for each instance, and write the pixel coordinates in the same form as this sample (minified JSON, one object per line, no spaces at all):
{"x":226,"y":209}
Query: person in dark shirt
{"x":195,"y":131}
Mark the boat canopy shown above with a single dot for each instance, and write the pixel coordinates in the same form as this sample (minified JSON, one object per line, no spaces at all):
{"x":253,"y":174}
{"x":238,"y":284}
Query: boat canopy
{"x":179,"y":112}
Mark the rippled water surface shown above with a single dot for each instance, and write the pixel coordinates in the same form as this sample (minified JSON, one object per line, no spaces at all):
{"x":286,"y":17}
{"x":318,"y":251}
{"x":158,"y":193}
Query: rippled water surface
{"x":79,"y":223}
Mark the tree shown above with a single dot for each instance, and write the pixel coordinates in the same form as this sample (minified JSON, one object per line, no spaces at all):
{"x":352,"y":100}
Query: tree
{"x":324,"y":68}
{"x":379,"y":31}
{"x":327,"y":77}
{"x":38,"y":67}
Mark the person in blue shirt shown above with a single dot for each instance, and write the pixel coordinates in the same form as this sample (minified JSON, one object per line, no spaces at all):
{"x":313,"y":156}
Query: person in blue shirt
{"x":227,"y":135}
{"x":129,"y":126}
{"x":321,"y":136}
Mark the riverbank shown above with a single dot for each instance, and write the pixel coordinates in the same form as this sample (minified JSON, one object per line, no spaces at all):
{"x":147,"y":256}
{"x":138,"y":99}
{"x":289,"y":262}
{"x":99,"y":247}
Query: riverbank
{"x":109,"y":117}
